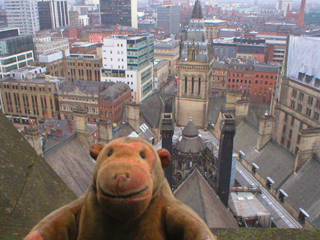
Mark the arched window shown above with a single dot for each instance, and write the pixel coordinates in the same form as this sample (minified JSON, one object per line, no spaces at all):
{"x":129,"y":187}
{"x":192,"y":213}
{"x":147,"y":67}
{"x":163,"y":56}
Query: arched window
{"x":193,"y":55}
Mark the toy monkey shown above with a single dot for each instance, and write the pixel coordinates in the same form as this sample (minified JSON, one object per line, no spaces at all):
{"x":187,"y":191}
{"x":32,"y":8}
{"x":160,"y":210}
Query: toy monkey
{"x":129,"y":199}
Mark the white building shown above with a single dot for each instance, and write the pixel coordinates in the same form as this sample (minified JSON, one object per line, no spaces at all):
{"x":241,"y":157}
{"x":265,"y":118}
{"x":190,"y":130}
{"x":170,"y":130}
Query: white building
{"x":23,"y":14}
{"x":44,"y":45}
{"x":83,"y":20}
{"x":129,"y":59}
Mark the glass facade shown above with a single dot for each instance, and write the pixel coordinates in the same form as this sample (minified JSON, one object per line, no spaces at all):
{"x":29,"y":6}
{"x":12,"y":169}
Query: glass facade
{"x":45,"y":18}
{"x":115,"y":12}
{"x":15,"y":45}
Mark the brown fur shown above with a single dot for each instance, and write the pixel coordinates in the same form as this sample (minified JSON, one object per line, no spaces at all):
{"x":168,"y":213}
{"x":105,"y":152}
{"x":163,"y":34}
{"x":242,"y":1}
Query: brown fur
{"x":129,"y":199}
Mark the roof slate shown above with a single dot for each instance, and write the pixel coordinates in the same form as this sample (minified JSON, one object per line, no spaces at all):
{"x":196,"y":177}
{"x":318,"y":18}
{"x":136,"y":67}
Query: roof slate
{"x":196,"y":193}
{"x":25,"y":181}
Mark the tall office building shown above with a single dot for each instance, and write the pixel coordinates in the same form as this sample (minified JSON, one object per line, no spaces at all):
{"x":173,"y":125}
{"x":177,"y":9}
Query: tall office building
{"x":53,"y":14}
{"x":122,"y":12}
{"x":168,"y":17}
{"x":129,"y":59}
{"x":23,"y":14}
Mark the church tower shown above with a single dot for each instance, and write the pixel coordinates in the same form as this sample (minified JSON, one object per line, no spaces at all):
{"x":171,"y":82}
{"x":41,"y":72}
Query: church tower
{"x":194,"y":72}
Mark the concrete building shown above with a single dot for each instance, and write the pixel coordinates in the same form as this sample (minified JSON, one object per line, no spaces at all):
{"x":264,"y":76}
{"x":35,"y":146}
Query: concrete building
{"x":168,"y":17}
{"x":129,"y":59}
{"x":15,"y":51}
{"x":48,"y":44}
{"x":83,"y":20}
{"x":168,"y":49}
{"x":283,"y":6}
{"x":53,"y":14}
{"x":123,"y":12}
{"x":31,"y":99}
{"x":194,"y":72}
{"x":23,"y":14}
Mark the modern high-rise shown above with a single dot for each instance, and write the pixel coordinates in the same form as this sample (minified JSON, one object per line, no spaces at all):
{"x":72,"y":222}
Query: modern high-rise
{"x":168,"y":17}
{"x":129,"y":59}
{"x":122,"y":12}
{"x":23,"y":14}
{"x":53,"y":14}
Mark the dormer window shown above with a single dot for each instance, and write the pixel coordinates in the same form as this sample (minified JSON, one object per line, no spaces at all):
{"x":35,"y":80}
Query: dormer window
{"x":269,"y":182}
{"x":254,"y":167}
{"x":282,"y":195}
{"x":308,"y":78}
{"x":301,"y":75}
{"x":303,"y":215}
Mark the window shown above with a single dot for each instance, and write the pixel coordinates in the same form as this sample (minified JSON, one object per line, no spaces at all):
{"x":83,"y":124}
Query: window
{"x":298,"y":139}
{"x":294,"y":93}
{"x":293,"y":103}
{"x":301,"y":126}
{"x":292,"y":121}
{"x":316,"y":116}
{"x":308,"y":112}
{"x":299,"y":109}
{"x":286,"y":117}
{"x":310,"y":100}
{"x":301,"y":96}
{"x":290,"y":133}
{"x":284,"y":128}
{"x":318,"y":103}
{"x":296,"y":150}
{"x":288,"y":144}
{"x":282,"y":140}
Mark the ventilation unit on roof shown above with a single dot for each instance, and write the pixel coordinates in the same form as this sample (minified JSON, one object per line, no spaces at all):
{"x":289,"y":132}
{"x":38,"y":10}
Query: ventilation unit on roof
{"x":144,"y":127}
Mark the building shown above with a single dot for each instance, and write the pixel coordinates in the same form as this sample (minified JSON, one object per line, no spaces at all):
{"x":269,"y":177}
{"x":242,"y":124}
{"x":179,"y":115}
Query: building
{"x":84,"y":47}
{"x":48,"y":44}
{"x":213,"y":27}
{"x":168,"y":49}
{"x":103,"y":100}
{"x":83,"y":20}
{"x":3,"y":19}
{"x":194,"y":68}
{"x":129,"y":59}
{"x":23,"y":14}
{"x":123,"y":12}
{"x":283,"y":6}
{"x":112,"y":102}
{"x":168,"y":17}
{"x":299,"y":101}
{"x":31,"y":99}
{"x":53,"y":14}
{"x":160,"y":73}
{"x":15,"y":51}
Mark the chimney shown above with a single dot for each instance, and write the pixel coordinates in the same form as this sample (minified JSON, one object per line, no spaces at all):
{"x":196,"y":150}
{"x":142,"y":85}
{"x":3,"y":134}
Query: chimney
{"x":242,"y":109}
{"x":80,"y":117}
{"x":34,"y":138}
{"x":265,"y":130}
{"x":301,"y":13}
{"x":308,"y":146}
{"x":133,"y":115}
{"x":224,"y":164}
{"x":104,"y":130}
{"x":167,"y":129}
{"x":232,"y":98}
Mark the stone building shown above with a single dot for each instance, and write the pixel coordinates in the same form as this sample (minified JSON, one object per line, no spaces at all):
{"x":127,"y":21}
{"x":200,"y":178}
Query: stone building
{"x":29,"y":100}
{"x":194,"y":72}
{"x":213,"y":27}
{"x":168,"y":49}
{"x":190,"y":150}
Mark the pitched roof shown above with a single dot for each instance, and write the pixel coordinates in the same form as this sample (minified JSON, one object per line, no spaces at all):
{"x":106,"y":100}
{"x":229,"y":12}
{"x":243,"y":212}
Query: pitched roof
{"x":152,"y":108}
{"x":196,"y":193}
{"x":25,"y":180}
{"x":303,"y":189}
{"x":197,"y":11}
{"x":70,"y":159}
{"x":273,"y":160}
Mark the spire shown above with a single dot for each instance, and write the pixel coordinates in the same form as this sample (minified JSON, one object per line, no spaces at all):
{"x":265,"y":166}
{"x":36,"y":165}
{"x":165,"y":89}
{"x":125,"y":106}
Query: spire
{"x":197,"y":11}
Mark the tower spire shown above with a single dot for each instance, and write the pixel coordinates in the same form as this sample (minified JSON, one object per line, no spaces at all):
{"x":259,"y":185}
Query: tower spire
{"x":197,"y":11}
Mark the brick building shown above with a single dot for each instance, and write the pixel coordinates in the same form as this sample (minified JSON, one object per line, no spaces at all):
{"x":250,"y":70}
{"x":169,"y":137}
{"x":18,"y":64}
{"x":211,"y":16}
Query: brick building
{"x":99,"y":99}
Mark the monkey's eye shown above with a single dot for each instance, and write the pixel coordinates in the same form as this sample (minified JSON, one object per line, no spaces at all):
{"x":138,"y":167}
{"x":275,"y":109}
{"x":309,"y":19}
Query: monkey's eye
{"x":142,"y":155}
{"x":110,"y":153}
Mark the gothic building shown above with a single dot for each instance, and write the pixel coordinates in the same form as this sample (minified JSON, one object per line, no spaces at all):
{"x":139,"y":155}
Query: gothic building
{"x":190,"y":150}
{"x":194,"y":72}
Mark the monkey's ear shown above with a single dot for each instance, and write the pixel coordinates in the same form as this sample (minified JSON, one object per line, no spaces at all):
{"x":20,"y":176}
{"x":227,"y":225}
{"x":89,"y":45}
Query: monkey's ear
{"x":96,"y":149}
{"x":165,"y":157}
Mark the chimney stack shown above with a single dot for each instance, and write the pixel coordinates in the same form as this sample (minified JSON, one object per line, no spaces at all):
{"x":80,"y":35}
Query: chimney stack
{"x":167,"y":129}
{"x":265,"y":130}
{"x":301,"y":13}
{"x":80,"y":117}
{"x":224,"y":164}
{"x":133,"y":115}
{"x":104,"y":130}
{"x":34,"y":138}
